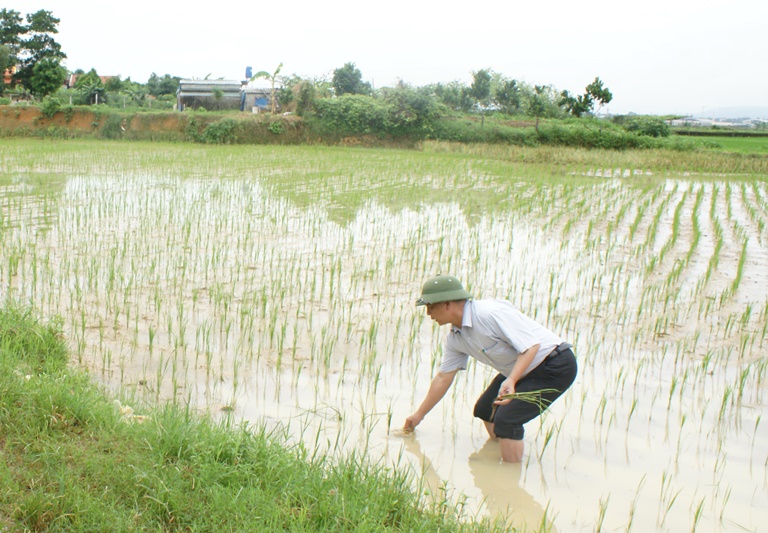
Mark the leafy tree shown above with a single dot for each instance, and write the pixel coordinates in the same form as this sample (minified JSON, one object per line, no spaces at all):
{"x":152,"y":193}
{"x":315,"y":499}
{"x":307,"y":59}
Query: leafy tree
{"x":306,"y":98}
{"x":576,"y":105}
{"x":481,"y":86}
{"x":11,"y":29}
{"x":88,"y":79}
{"x":508,"y":96}
{"x":272,"y":78}
{"x":538,"y":103}
{"x":38,"y":45}
{"x":454,"y":95}
{"x":114,"y":84}
{"x":583,"y":104}
{"x":157,"y":86}
{"x":47,"y":77}
{"x":137,"y":92}
{"x":27,"y":44}
{"x":599,"y":93}
{"x":90,"y":87}
{"x":410,"y":111}
{"x":349,"y":80}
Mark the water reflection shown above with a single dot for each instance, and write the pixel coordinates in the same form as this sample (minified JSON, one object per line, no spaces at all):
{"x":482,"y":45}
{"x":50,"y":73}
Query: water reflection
{"x":501,"y":485}
{"x":504,"y":492}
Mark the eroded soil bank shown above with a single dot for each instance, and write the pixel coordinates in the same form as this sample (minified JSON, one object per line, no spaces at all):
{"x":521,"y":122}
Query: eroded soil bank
{"x":30,"y":121}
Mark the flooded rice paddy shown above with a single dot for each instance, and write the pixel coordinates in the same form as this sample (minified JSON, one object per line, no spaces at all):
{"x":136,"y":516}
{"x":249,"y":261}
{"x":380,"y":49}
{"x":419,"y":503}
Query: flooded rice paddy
{"x":277,"y":286}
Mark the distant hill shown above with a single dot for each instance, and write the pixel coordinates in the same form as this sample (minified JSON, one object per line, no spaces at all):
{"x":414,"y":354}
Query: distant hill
{"x":735,"y":112}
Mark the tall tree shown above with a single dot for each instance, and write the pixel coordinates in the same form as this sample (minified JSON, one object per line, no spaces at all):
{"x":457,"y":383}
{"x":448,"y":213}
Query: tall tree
{"x":481,"y":86}
{"x":585,"y":103}
{"x":599,"y":93}
{"x":36,"y":46}
{"x":576,"y":105}
{"x":349,"y":80}
{"x":47,"y":77}
{"x":29,"y":44}
{"x":10,"y":38}
{"x":508,"y":96}
{"x":538,"y":103}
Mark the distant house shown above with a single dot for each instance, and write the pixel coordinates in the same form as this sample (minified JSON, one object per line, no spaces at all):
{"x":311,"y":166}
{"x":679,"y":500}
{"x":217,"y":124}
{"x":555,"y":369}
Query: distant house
{"x":8,"y":75}
{"x":209,"y":94}
{"x":69,"y":83}
{"x":701,"y":122}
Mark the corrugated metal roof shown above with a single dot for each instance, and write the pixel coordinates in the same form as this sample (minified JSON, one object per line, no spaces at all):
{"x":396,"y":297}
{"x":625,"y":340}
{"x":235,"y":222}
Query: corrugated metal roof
{"x":207,"y":93}
{"x":210,"y":82}
{"x":207,"y":86}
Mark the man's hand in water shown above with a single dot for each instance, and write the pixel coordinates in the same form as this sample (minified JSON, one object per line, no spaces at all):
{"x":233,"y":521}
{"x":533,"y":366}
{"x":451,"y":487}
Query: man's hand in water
{"x":411,"y":422}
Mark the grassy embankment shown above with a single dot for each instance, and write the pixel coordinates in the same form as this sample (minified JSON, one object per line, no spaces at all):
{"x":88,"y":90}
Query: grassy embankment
{"x":74,"y":461}
{"x":356,"y":128}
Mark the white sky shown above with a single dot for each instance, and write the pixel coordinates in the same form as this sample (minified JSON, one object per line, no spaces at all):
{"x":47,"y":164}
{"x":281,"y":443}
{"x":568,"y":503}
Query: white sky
{"x":657,"y":57}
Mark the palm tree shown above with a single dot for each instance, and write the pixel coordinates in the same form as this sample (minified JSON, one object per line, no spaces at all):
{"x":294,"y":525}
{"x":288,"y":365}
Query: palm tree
{"x":271,"y":77}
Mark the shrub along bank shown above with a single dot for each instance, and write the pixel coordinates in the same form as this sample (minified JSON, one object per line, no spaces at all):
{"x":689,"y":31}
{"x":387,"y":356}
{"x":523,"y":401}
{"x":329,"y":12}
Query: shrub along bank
{"x":349,"y":119}
{"x":73,"y":462}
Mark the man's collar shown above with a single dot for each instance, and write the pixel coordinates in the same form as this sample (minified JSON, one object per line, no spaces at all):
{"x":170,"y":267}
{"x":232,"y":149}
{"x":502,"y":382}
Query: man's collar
{"x":466,"y":317}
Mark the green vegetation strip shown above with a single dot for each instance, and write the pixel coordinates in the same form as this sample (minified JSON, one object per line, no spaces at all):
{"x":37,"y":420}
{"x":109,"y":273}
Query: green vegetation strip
{"x":73,"y":462}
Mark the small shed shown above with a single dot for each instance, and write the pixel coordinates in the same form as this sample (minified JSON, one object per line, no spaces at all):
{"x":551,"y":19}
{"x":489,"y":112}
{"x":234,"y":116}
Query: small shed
{"x":257,"y":96}
{"x":209,"y":94}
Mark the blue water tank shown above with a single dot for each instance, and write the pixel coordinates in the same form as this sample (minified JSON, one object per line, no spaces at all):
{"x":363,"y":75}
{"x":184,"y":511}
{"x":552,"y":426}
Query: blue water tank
{"x":248,"y":72}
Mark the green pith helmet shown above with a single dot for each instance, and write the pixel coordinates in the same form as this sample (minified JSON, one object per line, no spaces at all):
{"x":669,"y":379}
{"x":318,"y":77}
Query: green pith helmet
{"x":442,"y":289}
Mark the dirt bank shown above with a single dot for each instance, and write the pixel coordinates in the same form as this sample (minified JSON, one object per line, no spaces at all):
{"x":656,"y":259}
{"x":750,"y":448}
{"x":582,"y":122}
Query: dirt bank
{"x":29,"y":121}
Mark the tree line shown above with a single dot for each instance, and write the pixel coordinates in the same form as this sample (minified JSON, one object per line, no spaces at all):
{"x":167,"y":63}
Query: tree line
{"x":332,"y":106}
{"x":488,"y":92}
{"x":29,"y":50}
{"x":28,"y":44}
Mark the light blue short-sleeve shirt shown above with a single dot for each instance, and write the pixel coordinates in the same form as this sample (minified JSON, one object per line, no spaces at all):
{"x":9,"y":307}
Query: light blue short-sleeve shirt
{"x":495,"y":332}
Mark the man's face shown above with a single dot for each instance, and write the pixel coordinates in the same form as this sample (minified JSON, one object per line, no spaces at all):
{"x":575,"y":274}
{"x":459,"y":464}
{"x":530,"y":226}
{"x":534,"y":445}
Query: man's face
{"x":438,"y":312}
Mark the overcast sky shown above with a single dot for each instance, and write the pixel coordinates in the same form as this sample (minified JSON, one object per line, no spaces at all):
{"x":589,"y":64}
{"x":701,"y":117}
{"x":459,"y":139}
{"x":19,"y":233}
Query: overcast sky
{"x":656,"y":56}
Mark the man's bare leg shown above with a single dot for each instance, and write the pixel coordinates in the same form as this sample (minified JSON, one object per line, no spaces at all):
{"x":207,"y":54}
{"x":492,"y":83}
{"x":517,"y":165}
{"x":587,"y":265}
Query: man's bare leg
{"x":489,"y":429}
{"x":511,"y":450}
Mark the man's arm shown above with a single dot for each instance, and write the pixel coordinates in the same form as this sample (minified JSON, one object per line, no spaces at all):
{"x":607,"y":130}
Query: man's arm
{"x":437,"y":389}
{"x":523,"y":361}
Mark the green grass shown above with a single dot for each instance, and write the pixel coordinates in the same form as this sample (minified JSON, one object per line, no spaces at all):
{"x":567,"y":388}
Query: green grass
{"x":72,"y":462}
{"x":741,"y":145}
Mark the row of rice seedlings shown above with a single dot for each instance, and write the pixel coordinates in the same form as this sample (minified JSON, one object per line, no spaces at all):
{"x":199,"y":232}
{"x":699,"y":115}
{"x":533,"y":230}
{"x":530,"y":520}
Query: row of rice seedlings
{"x":607,"y":418}
{"x":752,"y":206}
{"x":675,"y":273}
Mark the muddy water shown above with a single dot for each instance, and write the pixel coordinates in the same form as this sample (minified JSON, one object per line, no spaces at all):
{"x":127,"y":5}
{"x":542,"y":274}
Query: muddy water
{"x":245,"y":303}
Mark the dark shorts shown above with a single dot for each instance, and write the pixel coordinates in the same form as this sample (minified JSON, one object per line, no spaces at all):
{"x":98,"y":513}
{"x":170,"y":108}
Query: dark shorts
{"x":557,"y":371}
